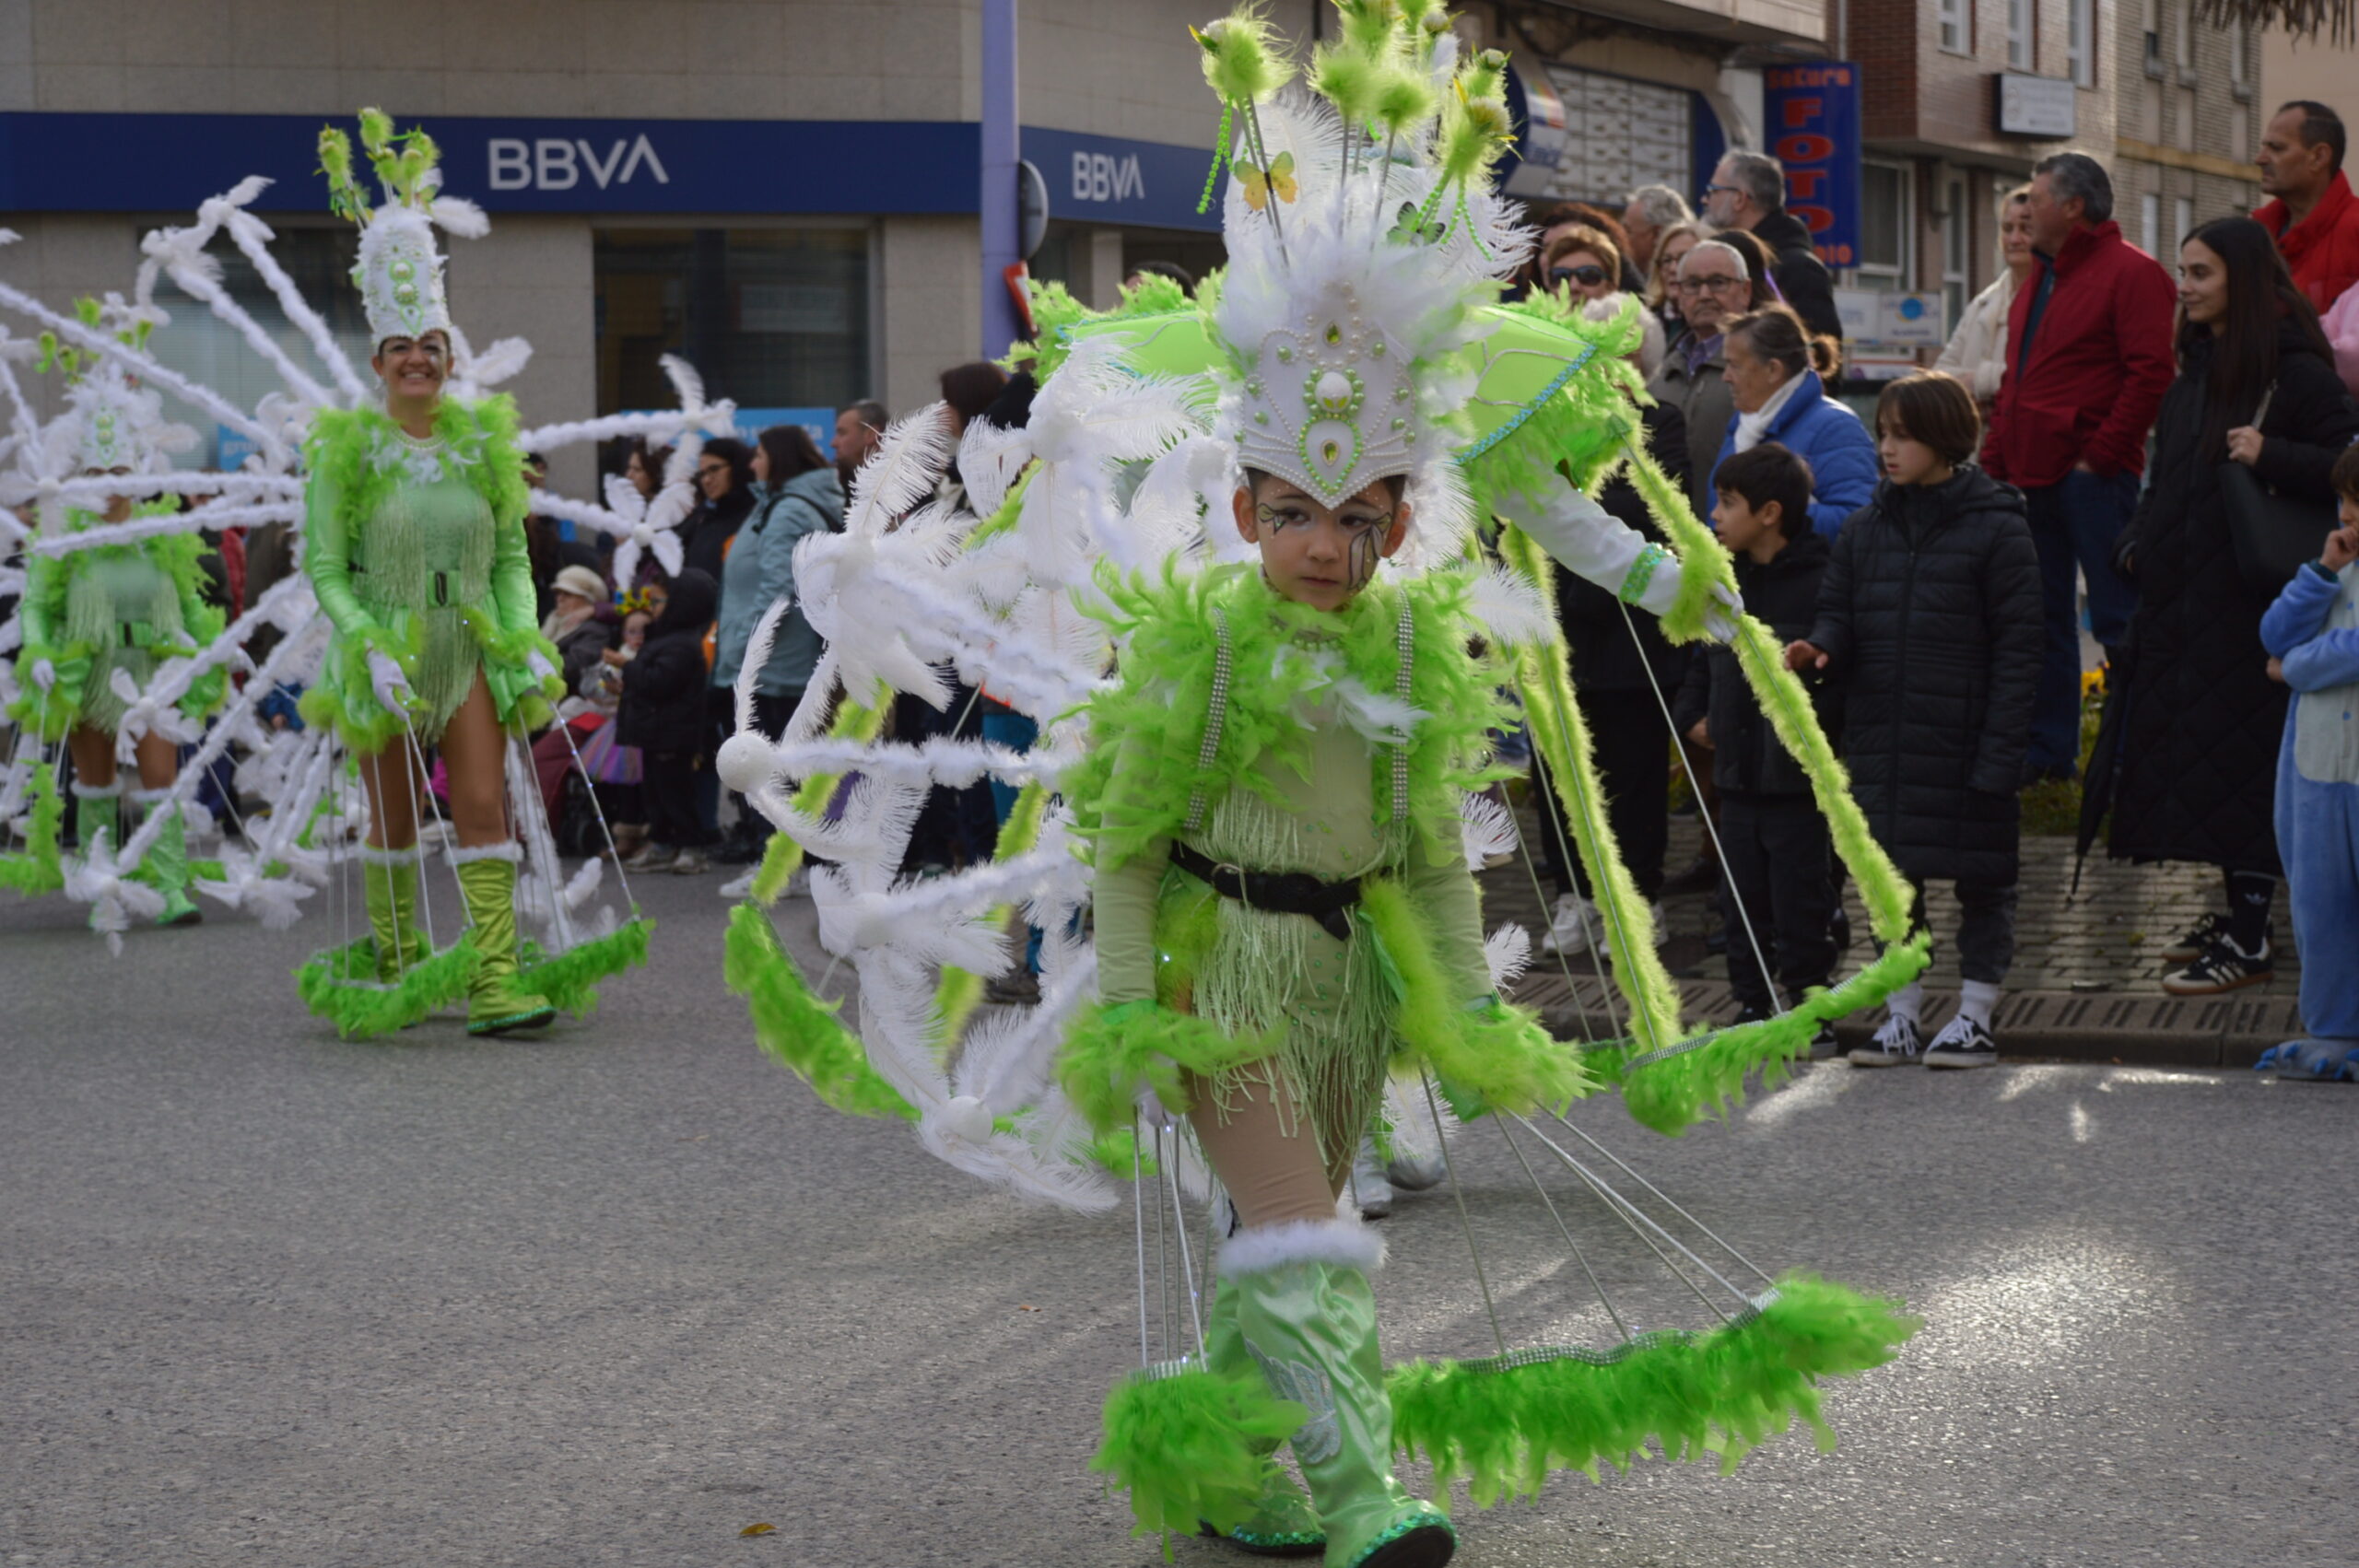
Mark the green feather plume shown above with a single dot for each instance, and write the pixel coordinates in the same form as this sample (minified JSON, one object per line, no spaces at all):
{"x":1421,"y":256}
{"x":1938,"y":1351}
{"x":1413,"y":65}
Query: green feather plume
{"x":1187,"y":1445}
{"x":341,"y":986}
{"x":38,"y":869}
{"x":1111,"y":1052}
{"x":571,"y":979}
{"x":796,"y":1027}
{"x":784,"y":854}
{"x":1672,"y":1089}
{"x":1240,"y":63}
{"x":1562,"y":742}
{"x":1404,"y":100}
{"x":1503,"y":1425}
{"x":1497,"y":1053}
{"x":1349,"y":79}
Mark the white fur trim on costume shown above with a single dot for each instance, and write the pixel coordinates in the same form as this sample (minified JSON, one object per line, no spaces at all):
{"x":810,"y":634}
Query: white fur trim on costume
{"x":460,"y":856}
{"x":97,"y":791}
{"x":376,"y":857}
{"x":147,"y":797}
{"x":1346,"y":1242}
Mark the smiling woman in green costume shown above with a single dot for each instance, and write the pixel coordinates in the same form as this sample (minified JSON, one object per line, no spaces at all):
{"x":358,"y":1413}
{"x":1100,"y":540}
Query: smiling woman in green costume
{"x":414,"y":545}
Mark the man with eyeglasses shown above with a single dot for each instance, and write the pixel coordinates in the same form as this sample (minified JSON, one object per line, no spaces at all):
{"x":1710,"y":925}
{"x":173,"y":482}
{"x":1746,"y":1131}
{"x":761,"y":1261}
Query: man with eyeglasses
{"x":860,"y":429}
{"x":1713,"y":284}
{"x":1748,"y":190}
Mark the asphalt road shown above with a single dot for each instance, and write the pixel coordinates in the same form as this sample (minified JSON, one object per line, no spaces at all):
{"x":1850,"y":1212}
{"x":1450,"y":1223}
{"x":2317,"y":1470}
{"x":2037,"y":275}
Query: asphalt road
{"x":610,"y":1296}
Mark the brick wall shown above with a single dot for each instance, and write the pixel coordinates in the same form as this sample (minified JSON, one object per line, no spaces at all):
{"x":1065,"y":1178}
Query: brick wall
{"x":2188,"y":132}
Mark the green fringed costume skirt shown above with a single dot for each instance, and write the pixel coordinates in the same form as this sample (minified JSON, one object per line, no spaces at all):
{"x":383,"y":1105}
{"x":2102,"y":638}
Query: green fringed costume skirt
{"x":1259,"y":971}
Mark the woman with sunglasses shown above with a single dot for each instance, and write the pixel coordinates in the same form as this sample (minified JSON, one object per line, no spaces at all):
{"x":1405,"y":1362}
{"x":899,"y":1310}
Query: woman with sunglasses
{"x":1583,"y":261}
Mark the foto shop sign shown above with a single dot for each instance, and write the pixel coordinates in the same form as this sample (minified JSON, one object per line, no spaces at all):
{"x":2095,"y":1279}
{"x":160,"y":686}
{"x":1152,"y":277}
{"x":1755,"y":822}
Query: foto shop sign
{"x":1812,"y":114}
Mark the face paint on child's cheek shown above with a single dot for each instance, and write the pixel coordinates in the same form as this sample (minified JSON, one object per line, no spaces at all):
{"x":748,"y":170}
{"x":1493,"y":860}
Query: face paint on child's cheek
{"x":1367,"y":546}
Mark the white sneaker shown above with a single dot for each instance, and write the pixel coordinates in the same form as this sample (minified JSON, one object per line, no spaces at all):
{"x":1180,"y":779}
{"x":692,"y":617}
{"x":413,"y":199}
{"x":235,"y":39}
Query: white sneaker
{"x":739,"y":886}
{"x":1368,"y":1185}
{"x":1572,"y":926}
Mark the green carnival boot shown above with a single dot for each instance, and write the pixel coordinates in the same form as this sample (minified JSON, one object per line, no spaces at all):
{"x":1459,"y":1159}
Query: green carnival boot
{"x":165,"y":866}
{"x":497,"y":1002}
{"x":98,"y":811}
{"x":388,"y":889}
{"x":1308,"y":1317}
{"x":1283,"y":1523}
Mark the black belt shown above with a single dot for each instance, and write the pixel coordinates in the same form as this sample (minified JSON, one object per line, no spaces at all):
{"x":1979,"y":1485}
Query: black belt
{"x":1288,"y":893}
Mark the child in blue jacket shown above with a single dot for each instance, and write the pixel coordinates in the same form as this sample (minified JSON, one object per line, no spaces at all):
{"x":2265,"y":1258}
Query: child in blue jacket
{"x":2312,"y":635}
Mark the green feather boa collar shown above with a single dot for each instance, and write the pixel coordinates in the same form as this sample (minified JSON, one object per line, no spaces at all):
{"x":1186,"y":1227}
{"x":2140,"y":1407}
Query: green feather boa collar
{"x":358,"y":451}
{"x":1145,"y":759}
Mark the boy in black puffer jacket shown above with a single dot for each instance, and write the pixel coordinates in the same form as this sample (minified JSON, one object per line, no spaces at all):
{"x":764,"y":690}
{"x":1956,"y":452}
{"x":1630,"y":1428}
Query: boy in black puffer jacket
{"x":1778,"y":887}
{"x":662,"y":715}
{"x":1930,"y":614}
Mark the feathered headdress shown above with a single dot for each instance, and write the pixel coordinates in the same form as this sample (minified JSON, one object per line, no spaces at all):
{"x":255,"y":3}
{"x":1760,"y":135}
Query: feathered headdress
{"x":110,"y":422}
{"x":400,"y":272}
{"x":1364,"y":237}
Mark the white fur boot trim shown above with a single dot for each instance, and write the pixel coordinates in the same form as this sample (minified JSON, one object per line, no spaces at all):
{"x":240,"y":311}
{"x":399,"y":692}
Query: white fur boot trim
{"x":149,"y":797}
{"x":376,"y":857}
{"x":97,"y":791}
{"x":1346,"y":1242}
{"x":508,"y":851}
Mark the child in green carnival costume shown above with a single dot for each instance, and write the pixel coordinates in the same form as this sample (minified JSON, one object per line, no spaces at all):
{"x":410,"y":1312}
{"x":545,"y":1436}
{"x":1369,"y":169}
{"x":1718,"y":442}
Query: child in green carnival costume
{"x":1270,"y":790}
{"x":1283,"y":905}
{"x":94,"y":615}
{"x":414,"y":545}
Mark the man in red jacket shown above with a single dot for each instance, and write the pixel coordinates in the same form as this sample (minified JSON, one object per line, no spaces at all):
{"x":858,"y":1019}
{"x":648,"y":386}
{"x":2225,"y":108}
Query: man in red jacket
{"x":2314,"y":218}
{"x":2089,"y":355}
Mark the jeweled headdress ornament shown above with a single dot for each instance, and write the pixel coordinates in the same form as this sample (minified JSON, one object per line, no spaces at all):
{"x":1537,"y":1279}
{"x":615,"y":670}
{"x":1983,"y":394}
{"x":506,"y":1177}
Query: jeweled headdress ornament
{"x":110,"y":422}
{"x":400,"y":271}
{"x":1362,"y":238}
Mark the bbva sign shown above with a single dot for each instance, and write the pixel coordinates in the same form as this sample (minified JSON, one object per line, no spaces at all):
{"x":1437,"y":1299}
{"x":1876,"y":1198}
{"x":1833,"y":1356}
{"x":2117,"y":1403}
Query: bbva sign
{"x":559,"y":163}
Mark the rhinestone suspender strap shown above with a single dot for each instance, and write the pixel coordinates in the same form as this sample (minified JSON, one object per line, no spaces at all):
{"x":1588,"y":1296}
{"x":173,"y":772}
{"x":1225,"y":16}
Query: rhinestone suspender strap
{"x":1210,"y":751}
{"x":1406,"y":642}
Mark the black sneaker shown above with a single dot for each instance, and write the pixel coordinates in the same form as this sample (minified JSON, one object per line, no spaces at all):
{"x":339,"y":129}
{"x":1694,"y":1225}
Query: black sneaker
{"x":2224,"y":967}
{"x":2199,"y":936}
{"x":1822,"y":1044}
{"x":1700,"y":878}
{"x":1961,"y":1043}
{"x":1896,"y":1045}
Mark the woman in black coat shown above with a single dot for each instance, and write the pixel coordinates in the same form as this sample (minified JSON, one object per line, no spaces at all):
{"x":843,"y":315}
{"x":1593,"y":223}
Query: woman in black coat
{"x":663,"y":713}
{"x":2201,"y":719}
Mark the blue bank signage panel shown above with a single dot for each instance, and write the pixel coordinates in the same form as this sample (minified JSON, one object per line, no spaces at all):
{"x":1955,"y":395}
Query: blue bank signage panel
{"x":1813,"y":114}
{"x":169,"y":163}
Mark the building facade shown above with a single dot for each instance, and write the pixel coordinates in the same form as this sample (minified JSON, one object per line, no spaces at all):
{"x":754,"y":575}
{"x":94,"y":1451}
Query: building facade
{"x":784,"y":191}
{"x":2190,"y":116}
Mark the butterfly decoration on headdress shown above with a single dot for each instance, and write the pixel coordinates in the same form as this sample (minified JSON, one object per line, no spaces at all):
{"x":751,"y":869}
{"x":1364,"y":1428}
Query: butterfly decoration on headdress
{"x":1260,"y":181}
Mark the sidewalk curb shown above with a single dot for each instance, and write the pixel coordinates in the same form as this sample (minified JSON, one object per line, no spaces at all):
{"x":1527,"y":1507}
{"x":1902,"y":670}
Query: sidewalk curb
{"x":2127,"y":1028}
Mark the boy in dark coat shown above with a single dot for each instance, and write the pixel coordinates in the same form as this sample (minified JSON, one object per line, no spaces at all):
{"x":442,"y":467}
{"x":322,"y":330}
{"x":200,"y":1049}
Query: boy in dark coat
{"x":1930,"y":614}
{"x":662,"y":714}
{"x":1777,"y":891}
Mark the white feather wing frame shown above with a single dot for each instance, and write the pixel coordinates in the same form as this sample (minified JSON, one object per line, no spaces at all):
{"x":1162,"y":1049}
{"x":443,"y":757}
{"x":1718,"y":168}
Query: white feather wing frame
{"x":1486,"y":828}
{"x":902,"y":471}
{"x":1510,"y":608}
{"x":991,"y":459}
{"x":1507,"y":950}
